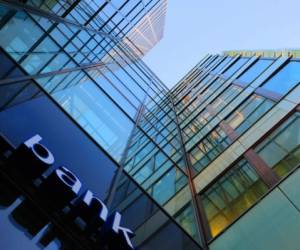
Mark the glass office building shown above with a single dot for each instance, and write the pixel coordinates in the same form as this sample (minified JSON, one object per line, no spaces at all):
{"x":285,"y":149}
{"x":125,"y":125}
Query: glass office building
{"x":209,"y":164}
{"x":238,"y":114}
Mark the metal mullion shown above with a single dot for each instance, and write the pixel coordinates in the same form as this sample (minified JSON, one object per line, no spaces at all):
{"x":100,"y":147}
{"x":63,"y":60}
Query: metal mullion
{"x":157,"y":146}
{"x":38,"y":42}
{"x":202,"y":224}
{"x":206,"y":90}
{"x":164,"y":112}
{"x":203,"y":135}
{"x":267,"y":175}
{"x":219,"y":210}
{"x":48,"y":74}
{"x":69,"y":83}
{"x":46,"y":34}
{"x":201,"y":91}
{"x":123,"y":111}
{"x":110,"y":20}
{"x":142,"y":10}
{"x":253,"y":111}
{"x":147,"y":69}
{"x":79,"y":11}
{"x":129,"y":50}
{"x":117,"y":177}
{"x":89,"y":20}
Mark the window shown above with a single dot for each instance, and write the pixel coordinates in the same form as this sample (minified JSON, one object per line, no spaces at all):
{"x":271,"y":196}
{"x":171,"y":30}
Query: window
{"x":255,"y":70}
{"x":248,"y":113}
{"x":235,"y":67}
{"x":231,"y":195}
{"x":19,"y":34}
{"x":186,"y":218}
{"x":41,"y":55}
{"x":222,"y":64}
{"x":144,"y":172}
{"x":198,"y":123}
{"x":281,"y":151}
{"x":226,"y":97}
{"x":168,"y":185}
{"x":285,"y":79}
{"x":208,"y":149}
{"x":98,"y":116}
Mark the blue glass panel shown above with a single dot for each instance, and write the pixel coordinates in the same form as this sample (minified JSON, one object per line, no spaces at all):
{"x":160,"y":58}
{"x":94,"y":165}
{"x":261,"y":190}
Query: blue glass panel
{"x":285,"y":79}
{"x":168,"y":185}
{"x":94,"y":111}
{"x":235,"y":67}
{"x":18,"y":34}
{"x":255,"y":70}
{"x":222,"y":65}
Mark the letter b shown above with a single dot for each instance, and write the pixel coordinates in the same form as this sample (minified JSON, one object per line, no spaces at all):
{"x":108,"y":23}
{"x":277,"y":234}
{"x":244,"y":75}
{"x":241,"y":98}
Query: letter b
{"x":31,"y":158}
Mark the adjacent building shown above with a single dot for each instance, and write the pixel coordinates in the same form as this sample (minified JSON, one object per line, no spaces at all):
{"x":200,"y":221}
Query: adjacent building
{"x":238,"y":114}
{"x":209,"y":164}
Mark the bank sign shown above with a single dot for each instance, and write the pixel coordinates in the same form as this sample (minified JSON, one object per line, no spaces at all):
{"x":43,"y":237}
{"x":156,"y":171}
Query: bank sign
{"x":58,"y":195}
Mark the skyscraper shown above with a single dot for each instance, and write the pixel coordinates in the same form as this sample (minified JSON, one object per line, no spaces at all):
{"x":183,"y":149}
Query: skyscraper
{"x":239,"y":118}
{"x":95,"y":146}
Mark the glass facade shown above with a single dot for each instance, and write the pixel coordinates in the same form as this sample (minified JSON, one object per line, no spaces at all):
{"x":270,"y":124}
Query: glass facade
{"x":194,"y":162}
{"x":240,"y":138}
{"x":281,"y":149}
{"x":231,"y":195}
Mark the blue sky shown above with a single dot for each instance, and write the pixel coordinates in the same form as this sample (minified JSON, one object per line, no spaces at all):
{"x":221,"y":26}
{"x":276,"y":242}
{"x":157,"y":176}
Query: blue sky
{"x":197,"y":27}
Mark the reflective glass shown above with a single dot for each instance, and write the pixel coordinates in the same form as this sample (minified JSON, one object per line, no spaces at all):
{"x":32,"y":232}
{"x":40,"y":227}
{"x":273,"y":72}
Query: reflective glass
{"x":168,"y":185}
{"x":281,"y":151}
{"x":235,"y":67}
{"x":208,"y":149}
{"x":248,"y":113}
{"x":144,"y":172}
{"x":231,"y":195}
{"x":255,"y":70}
{"x":222,"y":65}
{"x":98,"y":116}
{"x":186,"y":218}
{"x":273,"y":223}
{"x":19,"y":34}
{"x":285,"y":79}
{"x":226,"y":97}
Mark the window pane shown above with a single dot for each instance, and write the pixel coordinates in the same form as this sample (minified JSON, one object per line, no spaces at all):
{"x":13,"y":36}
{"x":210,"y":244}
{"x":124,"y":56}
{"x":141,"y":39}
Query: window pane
{"x":208,"y":149}
{"x":231,"y":196}
{"x":144,"y":172}
{"x":19,"y":34}
{"x":222,"y":65}
{"x":248,"y":113}
{"x":187,"y":220}
{"x":281,"y":150}
{"x":168,"y":185}
{"x":235,"y":67}
{"x":285,"y":79}
{"x":98,"y":116}
{"x":255,"y":70}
